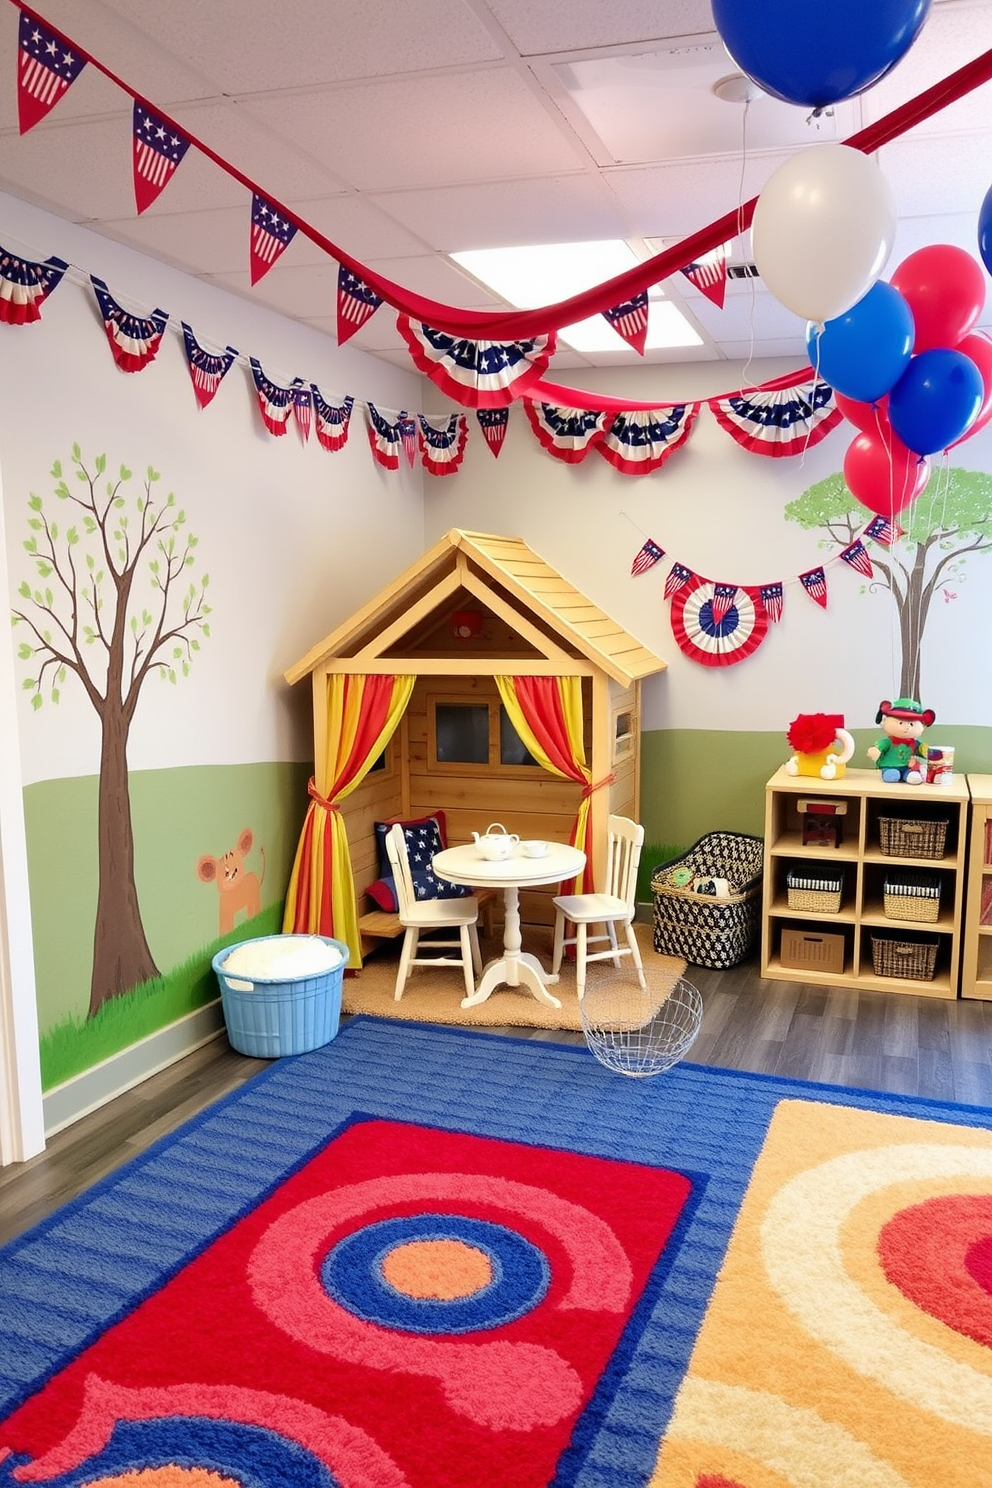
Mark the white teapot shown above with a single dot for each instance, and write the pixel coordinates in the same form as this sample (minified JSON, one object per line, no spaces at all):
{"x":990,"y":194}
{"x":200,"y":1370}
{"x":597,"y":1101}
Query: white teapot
{"x":496,"y":843}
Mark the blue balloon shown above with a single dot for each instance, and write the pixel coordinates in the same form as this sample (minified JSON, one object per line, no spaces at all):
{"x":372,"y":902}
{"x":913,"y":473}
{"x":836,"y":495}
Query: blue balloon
{"x":985,"y":230}
{"x":936,"y":400}
{"x":818,"y":52}
{"x":865,"y":351}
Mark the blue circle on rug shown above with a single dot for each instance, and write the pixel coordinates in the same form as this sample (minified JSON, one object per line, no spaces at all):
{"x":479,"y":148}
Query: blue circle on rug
{"x":353,"y":1275}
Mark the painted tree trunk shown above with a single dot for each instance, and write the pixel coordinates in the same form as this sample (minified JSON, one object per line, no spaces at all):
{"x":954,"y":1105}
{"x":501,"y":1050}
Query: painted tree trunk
{"x":121,"y":957}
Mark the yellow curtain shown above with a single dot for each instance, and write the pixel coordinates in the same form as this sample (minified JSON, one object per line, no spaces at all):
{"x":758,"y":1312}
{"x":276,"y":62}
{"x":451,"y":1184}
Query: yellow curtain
{"x":362,"y":715}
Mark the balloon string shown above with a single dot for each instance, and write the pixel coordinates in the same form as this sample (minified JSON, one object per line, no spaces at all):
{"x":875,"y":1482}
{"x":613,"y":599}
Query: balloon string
{"x":752,"y":306}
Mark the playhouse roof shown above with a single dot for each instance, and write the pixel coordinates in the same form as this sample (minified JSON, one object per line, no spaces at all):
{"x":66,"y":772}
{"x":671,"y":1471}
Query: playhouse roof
{"x":531,"y":587}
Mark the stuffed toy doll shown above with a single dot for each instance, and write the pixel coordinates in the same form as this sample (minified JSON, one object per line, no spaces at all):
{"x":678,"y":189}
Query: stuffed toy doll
{"x":897,"y":754}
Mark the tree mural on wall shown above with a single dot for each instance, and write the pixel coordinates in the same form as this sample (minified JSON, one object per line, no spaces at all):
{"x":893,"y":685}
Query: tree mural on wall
{"x":111,"y":607}
{"x":949,"y":520}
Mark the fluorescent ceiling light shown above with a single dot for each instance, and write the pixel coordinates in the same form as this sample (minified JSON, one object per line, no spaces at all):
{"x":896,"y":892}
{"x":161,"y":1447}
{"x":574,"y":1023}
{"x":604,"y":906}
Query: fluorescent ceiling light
{"x":546,"y":273}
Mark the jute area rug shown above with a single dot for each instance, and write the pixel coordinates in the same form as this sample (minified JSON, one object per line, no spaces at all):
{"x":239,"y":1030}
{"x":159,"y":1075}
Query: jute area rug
{"x":434,"y":996}
{"x":417,"y":1258}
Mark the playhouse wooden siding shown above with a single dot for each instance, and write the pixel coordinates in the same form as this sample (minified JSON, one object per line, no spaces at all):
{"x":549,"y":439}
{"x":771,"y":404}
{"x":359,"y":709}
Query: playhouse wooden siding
{"x":530,"y":621}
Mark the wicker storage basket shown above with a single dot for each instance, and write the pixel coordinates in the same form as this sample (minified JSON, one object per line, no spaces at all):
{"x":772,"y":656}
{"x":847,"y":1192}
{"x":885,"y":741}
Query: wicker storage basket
{"x":702,"y":930}
{"x":814,"y":892}
{"x":899,"y":837}
{"x":912,"y":899}
{"x":912,"y":960}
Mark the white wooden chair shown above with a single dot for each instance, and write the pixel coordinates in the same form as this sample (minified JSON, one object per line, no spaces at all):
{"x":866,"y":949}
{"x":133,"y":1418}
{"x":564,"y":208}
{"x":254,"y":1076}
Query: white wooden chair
{"x":421,"y":917}
{"x":613,"y":908}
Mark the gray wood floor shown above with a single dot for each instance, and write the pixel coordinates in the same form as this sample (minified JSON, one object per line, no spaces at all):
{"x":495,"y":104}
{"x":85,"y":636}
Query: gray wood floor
{"x":911,"y":1045}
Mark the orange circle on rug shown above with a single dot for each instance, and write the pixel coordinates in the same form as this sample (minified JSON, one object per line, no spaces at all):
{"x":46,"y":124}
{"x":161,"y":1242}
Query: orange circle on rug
{"x":442,"y":1270}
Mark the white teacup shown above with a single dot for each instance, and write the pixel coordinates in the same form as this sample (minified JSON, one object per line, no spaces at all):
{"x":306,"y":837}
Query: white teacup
{"x":534,"y":849}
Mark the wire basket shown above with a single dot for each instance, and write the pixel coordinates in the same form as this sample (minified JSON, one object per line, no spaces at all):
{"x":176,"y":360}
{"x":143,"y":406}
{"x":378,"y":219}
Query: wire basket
{"x":640,"y":1031}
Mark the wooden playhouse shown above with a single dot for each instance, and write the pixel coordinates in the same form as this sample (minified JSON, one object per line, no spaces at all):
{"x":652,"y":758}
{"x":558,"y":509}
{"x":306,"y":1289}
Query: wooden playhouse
{"x":473,"y":608}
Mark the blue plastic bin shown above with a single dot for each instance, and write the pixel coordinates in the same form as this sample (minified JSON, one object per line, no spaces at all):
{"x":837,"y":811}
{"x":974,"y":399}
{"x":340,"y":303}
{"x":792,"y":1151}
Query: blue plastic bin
{"x":266,"y":1017}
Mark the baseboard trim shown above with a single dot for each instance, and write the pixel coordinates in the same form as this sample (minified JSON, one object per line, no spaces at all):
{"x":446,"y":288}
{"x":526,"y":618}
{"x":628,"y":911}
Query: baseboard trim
{"x":86,"y":1092}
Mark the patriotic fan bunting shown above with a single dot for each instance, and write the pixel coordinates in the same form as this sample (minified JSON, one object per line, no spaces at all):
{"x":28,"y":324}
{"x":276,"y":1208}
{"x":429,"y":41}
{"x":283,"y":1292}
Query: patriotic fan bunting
{"x":649,"y":555}
{"x":357,"y":303}
{"x":678,"y":577}
{"x":134,"y":340}
{"x":779,"y":421}
{"x":882,"y":530}
{"x":814,"y":581}
{"x":567,"y":433}
{"x":856,"y":554}
{"x":157,"y":148}
{"x":709,"y":275}
{"x":275,"y":403}
{"x":640,"y":441}
{"x":24,"y":286}
{"x":207,"y":370}
{"x":302,"y":408}
{"x":385,"y":439}
{"x":442,"y":450}
{"x":711,"y":640}
{"x":477,"y":374}
{"x":493,"y":422}
{"x":630,"y":320}
{"x":271,"y":235}
{"x":772,"y":597}
{"x":332,"y":420}
{"x":47,"y":67}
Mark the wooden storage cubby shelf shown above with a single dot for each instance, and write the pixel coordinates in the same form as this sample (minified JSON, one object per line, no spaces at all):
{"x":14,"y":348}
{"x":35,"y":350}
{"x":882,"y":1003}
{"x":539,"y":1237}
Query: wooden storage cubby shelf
{"x":865,"y":868}
{"x":976,"y":965}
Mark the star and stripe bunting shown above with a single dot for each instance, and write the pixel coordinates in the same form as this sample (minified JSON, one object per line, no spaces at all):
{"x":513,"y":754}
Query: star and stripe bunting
{"x":856,"y":554}
{"x":678,"y":576}
{"x":271,"y":235}
{"x":773,"y":598}
{"x":493,"y":422}
{"x":443,"y":449}
{"x":883,"y":530}
{"x":639,"y":442}
{"x":723,"y":601}
{"x":709,"y":275}
{"x":157,"y":149}
{"x":385,"y":439}
{"x":207,"y":369}
{"x":332,"y":420}
{"x":477,"y":374}
{"x":357,"y":303}
{"x":649,"y":555}
{"x":25,"y":286}
{"x":275,"y":403}
{"x":779,"y":421}
{"x":630,"y":320}
{"x":407,"y":425}
{"x":814,"y":581}
{"x":47,"y":66}
{"x":302,"y":408}
{"x":567,"y":433}
{"x":134,"y":340}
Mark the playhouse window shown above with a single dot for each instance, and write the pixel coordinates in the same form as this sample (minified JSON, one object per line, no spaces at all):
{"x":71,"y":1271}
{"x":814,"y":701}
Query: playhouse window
{"x":476,"y":734}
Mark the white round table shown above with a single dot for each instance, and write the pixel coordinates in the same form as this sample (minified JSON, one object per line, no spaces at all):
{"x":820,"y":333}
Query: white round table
{"x":465,"y":865}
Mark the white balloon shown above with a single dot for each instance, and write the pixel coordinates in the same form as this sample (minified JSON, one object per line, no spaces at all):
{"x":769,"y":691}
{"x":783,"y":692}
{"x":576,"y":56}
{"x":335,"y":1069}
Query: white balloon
{"x":823,"y":229}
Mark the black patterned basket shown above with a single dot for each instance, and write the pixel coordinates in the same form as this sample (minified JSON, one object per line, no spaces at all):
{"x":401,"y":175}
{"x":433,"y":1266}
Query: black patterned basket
{"x":703,"y":930}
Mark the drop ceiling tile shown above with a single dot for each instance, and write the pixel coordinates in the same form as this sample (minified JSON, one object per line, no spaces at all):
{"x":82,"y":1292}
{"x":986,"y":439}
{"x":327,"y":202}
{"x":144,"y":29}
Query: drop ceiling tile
{"x":84,"y":172}
{"x":675,"y":200}
{"x":951,"y":37}
{"x":501,"y":214}
{"x":744,"y":351}
{"x":358,"y":226}
{"x":425,"y":131}
{"x":939,"y":174}
{"x":566,"y":25}
{"x":436,"y":279}
{"x":207,"y":242}
{"x":275,"y":162}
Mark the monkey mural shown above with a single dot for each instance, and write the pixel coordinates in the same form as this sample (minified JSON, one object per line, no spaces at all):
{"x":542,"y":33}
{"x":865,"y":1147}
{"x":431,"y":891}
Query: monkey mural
{"x":237,"y":888}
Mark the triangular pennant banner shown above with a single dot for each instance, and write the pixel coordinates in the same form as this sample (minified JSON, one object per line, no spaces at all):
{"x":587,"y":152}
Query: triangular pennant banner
{"x":882,"y":530}
{"x":134,"y":339}
{"x":302,"y":408}
{"x":649,"y":555}
{"x":156,"y":150}
{"x":385,"y":439}
{"x":724,"y":599}
{"x":640,"y":441}
{"x":275,"y":403}
{"x":271,"y":235}
{"x":772,"y":596}
{"x":332,"y":420}
{"x":567,"y":433}
{"x":207,"y":369}
{"x":477,"y":374}
{"x":814,"y":581}
{"x":25,"y":286}
{"x":630,"y":320}
{"x":357,"y":303}
{"x":678,"y":575}
{"x":709,"y":275}
{"x":443,"y":449}
{"x":493,"y":422}
{"x":856,"y":554}
{"x":46,"y":68}
{"x":407,"y":426}
{"x":779,"y":421}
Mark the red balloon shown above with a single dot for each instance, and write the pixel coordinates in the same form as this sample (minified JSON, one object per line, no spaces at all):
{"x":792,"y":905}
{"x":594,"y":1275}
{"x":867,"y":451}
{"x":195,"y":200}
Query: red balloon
{"x":945,"y":289}
{"x":979,"y":348}
{"x":871,"y":418}
{"x":883,"y":474}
